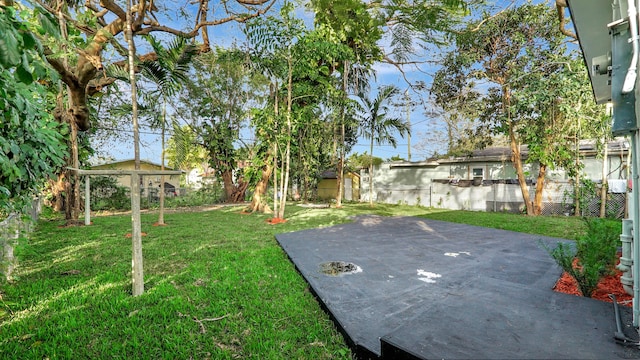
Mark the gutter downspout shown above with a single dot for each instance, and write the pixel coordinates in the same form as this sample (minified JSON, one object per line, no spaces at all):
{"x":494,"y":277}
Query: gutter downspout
{"x":635,"y":142}
{"x":630,"y":79}
{"x":626,"y":260}
{"x":636,"y":227}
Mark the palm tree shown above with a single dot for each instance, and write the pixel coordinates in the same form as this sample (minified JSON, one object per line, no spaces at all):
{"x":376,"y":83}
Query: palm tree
{"x":168,"y":72}
{"x":377,"y":126}
{"x":355,"y":79}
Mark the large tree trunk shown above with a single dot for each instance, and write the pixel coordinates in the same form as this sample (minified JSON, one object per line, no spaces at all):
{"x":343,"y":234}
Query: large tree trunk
{"x":68,"y":204}
{"x":79,"y":77}
{"x":258,"y":201}
{"x":517,"y":163}
{"x":75,"y":162}
{"x":537,"y":202}
{"x":227,"y":183}
{"x":57,"y":189}
{"x":516,"y":156}
{"x":72,"y":206}
{"x":239,"y":191}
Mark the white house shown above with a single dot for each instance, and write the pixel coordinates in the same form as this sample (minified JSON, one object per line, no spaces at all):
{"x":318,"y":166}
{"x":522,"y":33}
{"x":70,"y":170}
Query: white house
{"x":486,"y":180}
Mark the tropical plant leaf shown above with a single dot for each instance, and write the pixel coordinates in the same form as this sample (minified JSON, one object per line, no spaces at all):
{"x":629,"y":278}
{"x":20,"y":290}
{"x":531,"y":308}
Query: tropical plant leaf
{"x":9,"y":51}
{"x":23,"y":75}
{"x":48,"y":25}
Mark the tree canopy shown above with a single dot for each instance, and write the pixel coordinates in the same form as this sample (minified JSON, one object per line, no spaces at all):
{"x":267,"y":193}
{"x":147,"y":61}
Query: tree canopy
{"x":516,"y":78}
{"x":292,"y":85}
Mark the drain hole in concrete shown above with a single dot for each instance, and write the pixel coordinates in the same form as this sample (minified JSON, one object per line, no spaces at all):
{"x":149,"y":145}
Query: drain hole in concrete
{"x":337,"y":268}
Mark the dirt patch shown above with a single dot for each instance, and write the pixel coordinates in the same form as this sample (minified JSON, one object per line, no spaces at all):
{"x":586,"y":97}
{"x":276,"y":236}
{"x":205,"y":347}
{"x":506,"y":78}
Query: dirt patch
{"x":128,"y":236}
{"x":74,"y":223}
{"x":337,"y":268}
{"x":315,"y":206}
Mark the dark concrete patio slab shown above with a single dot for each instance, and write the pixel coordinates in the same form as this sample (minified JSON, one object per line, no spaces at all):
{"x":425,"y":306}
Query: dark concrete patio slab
{"x":428,"y":289}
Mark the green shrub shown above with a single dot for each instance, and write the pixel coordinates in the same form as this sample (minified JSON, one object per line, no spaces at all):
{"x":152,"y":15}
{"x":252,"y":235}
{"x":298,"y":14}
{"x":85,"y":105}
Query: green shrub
{"x":599,"y":245}
{"x":106,"y":194}
{"x":595,"y":252}
{"x":207,"y":195}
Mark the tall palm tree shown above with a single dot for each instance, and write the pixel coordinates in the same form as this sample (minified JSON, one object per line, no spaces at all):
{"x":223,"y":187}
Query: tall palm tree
{"x":168,"y":72}
{"x":355,"y":80}
{"x":377,"y":126}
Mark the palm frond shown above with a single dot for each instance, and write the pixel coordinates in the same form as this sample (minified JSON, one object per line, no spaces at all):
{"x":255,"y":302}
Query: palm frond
{"x":172,"y":65}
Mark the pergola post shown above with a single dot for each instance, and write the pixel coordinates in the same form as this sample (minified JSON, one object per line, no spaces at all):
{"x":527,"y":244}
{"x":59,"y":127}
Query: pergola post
{"x":136,"y":230}
{"x":87,"y":200}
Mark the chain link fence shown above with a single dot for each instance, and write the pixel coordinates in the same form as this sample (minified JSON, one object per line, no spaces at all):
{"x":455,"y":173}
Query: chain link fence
{"x":497,"y":196}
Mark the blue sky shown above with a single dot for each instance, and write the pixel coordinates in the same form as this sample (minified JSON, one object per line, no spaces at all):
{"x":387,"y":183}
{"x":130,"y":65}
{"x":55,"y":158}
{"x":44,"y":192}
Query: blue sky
{"x":425,"y":139}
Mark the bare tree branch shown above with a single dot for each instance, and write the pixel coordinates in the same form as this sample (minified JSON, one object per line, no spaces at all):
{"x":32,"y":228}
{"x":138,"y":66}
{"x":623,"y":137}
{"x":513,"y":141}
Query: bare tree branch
{"x":114,"y":8}
{"x":399,"y":67}
{"x":252,"y":2}
{"x":67,"y":76}
{"x":560,"y":6}
{"x":491,"y":17}
{"x":203,"y":330}
{"x":111,"y":17}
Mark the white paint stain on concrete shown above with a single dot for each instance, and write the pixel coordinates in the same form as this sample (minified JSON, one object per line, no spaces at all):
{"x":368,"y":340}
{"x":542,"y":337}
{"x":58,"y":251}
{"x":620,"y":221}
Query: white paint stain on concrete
{"x":456,"y":254}
{"x":428,"y":276}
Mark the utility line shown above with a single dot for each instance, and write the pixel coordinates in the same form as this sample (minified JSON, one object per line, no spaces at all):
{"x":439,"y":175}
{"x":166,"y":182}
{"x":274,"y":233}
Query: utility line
{"x":168,"y":132}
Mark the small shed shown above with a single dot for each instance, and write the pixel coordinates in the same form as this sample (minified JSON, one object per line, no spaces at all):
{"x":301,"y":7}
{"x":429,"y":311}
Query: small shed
{"x":328,"y":186}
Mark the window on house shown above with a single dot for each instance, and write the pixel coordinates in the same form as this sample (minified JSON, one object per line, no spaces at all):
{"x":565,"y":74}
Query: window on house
{"x":478,"y":172}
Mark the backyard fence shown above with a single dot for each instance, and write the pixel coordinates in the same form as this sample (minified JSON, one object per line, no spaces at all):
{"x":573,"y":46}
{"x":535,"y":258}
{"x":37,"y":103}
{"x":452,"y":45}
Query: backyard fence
{"x":119,"y":197}
{"x":9,"y":234}
{"x":11,"y":230}
{"x":503,"y":196}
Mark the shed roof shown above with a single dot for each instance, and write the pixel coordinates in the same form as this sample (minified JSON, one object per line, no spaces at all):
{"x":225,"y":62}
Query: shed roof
{"x":331,"y":174}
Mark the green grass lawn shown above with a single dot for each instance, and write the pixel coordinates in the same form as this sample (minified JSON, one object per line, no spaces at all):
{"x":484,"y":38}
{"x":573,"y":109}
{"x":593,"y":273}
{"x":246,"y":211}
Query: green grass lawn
{"x":217,"y":286}
{"x":555,"y":226}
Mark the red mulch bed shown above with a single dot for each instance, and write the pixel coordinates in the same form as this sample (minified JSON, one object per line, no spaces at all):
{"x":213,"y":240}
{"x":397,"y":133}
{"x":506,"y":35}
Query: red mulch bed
{"x":275,"y":220}
{"x":610,"y":284}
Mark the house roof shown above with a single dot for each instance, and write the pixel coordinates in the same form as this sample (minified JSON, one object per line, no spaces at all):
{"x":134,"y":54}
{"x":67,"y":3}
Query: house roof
{"x":425,"y":163}
{"x":497,"y":153}
{"x":503,"y":153}
{"x":119,"y":162}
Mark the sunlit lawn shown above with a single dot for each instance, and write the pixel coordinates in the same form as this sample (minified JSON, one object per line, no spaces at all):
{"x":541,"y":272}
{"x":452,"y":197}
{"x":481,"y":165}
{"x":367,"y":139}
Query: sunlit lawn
{"x":217,"y":286}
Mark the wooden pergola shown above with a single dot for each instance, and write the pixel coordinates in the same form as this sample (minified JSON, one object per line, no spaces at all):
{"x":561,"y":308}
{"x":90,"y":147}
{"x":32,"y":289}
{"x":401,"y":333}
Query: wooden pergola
{"x":136,"y":231}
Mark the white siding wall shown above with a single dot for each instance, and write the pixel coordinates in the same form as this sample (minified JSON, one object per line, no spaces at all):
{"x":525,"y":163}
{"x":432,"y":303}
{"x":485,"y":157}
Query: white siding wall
{"x":394,"y":184}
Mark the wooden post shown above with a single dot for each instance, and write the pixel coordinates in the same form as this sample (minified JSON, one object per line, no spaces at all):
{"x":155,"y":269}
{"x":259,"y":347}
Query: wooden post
{"x":87,"y":200}
{"x":136,"y":237}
